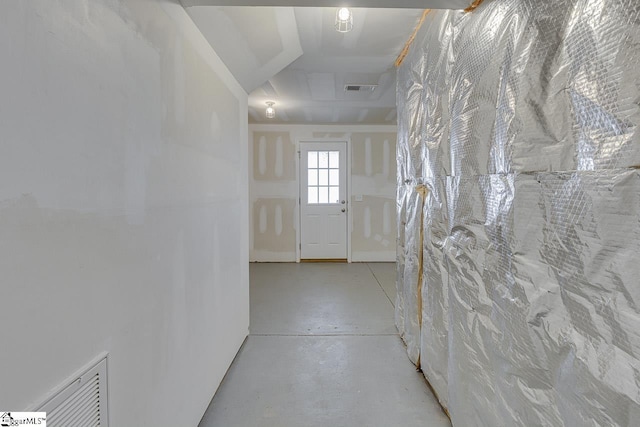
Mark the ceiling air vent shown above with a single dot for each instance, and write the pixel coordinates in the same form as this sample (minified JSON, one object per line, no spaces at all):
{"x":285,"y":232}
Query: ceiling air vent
{"x":360,"y":88}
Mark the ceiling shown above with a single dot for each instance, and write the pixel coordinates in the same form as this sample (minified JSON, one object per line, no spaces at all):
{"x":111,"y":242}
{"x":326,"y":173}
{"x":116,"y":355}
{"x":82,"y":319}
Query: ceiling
{"x":405,"y":4}
{"x":294,"y":57}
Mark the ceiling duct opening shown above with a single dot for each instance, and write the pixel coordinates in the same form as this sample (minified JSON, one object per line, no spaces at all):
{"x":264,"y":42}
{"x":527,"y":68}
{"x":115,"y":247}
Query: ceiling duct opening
{"x":359,"y":88}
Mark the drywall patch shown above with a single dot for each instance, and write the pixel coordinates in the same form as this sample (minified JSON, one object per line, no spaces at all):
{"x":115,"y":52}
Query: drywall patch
{"x":274,"y":157}
{"x":371,"y":224}
{"x":279,"y":235}
{"x":262,"y":221}
{"x":278,"y":220}
{"x":368,"y":159}
{"x":366,"y":222}
{"x":372,"y":155}
{"x":387,"y":218}
{"x":386,"y":154}
{"x":262,"y":155}
{"x":279,"y":157}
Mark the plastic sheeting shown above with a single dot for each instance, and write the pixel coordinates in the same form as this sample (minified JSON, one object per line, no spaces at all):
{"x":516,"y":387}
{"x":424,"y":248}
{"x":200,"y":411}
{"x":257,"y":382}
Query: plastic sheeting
{"x":518,"y":271}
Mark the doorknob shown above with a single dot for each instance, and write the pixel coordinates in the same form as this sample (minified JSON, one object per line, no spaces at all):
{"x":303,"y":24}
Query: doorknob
{"x":343,"y":202}
{"x":344,"y":210}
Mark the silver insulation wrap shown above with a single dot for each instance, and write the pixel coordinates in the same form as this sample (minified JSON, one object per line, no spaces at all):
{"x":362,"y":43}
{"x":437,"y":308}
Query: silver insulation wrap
{"x":519,"y":211}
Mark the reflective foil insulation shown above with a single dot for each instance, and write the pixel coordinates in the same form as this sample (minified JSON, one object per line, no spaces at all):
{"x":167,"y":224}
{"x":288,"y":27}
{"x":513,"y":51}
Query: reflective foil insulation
{"x":519,"y":211}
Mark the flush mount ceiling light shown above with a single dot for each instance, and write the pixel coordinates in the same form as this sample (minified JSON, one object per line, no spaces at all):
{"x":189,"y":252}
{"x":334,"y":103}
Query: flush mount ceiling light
{"x":344,"y":20}
{"x":271,"y":112}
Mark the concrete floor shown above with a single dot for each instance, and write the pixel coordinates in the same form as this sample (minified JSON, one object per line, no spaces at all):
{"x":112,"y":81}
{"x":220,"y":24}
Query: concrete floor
{"x":323,"y":351}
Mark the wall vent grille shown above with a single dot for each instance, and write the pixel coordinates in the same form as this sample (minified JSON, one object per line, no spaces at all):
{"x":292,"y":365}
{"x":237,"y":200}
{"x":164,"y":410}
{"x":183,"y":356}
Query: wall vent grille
{"x":83,"y":402}
{"x":359,"y":88}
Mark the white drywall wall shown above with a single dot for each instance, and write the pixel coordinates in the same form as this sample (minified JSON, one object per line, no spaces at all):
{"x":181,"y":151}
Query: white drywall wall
{"x":274,"y":189}
{"x":123,"y":206}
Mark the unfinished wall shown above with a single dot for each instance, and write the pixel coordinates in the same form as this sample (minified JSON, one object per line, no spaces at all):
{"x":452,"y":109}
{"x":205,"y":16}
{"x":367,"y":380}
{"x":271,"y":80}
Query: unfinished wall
{"x":274,"y":189}
{"x":373,"y":188}
{"x":273,"y":184}
{"x":518,"y":207}
{"x":123,"y":206}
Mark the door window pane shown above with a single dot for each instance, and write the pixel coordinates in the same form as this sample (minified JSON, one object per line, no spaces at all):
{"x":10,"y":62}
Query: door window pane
{"x":323,"y":159}
{"x":334,"y":159}
{"x":323,"y":177}
{"x":323,"y":195}
{"x":313,"y":177}
{"x":313,"y":195}
{"x":313,"y":159}
{"x":334,"y":177}
{"x":334,"y":195}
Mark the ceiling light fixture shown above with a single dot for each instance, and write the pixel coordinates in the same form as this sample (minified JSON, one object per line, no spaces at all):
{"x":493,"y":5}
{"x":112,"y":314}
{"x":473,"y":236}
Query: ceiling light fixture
{"x":271,"y":112}
{"x":344,"y":20}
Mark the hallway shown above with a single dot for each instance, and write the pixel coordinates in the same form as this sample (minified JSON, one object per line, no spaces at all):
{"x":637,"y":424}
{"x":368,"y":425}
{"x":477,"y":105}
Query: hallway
{"x":323,"y":351}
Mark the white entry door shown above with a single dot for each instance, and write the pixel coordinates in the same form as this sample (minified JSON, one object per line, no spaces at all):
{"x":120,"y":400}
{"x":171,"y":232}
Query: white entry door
{"x":323,"y":200}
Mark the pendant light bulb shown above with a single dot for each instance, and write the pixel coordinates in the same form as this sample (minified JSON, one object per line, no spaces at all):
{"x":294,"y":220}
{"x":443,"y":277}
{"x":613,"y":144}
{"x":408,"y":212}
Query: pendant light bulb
{"x":344,"y":14}
{"x":270,"y":112}
{"x":344,"y":20}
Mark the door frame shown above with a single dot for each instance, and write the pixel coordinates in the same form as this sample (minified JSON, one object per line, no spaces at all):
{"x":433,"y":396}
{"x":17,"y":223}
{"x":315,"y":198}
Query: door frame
{"x":298,"y":219}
